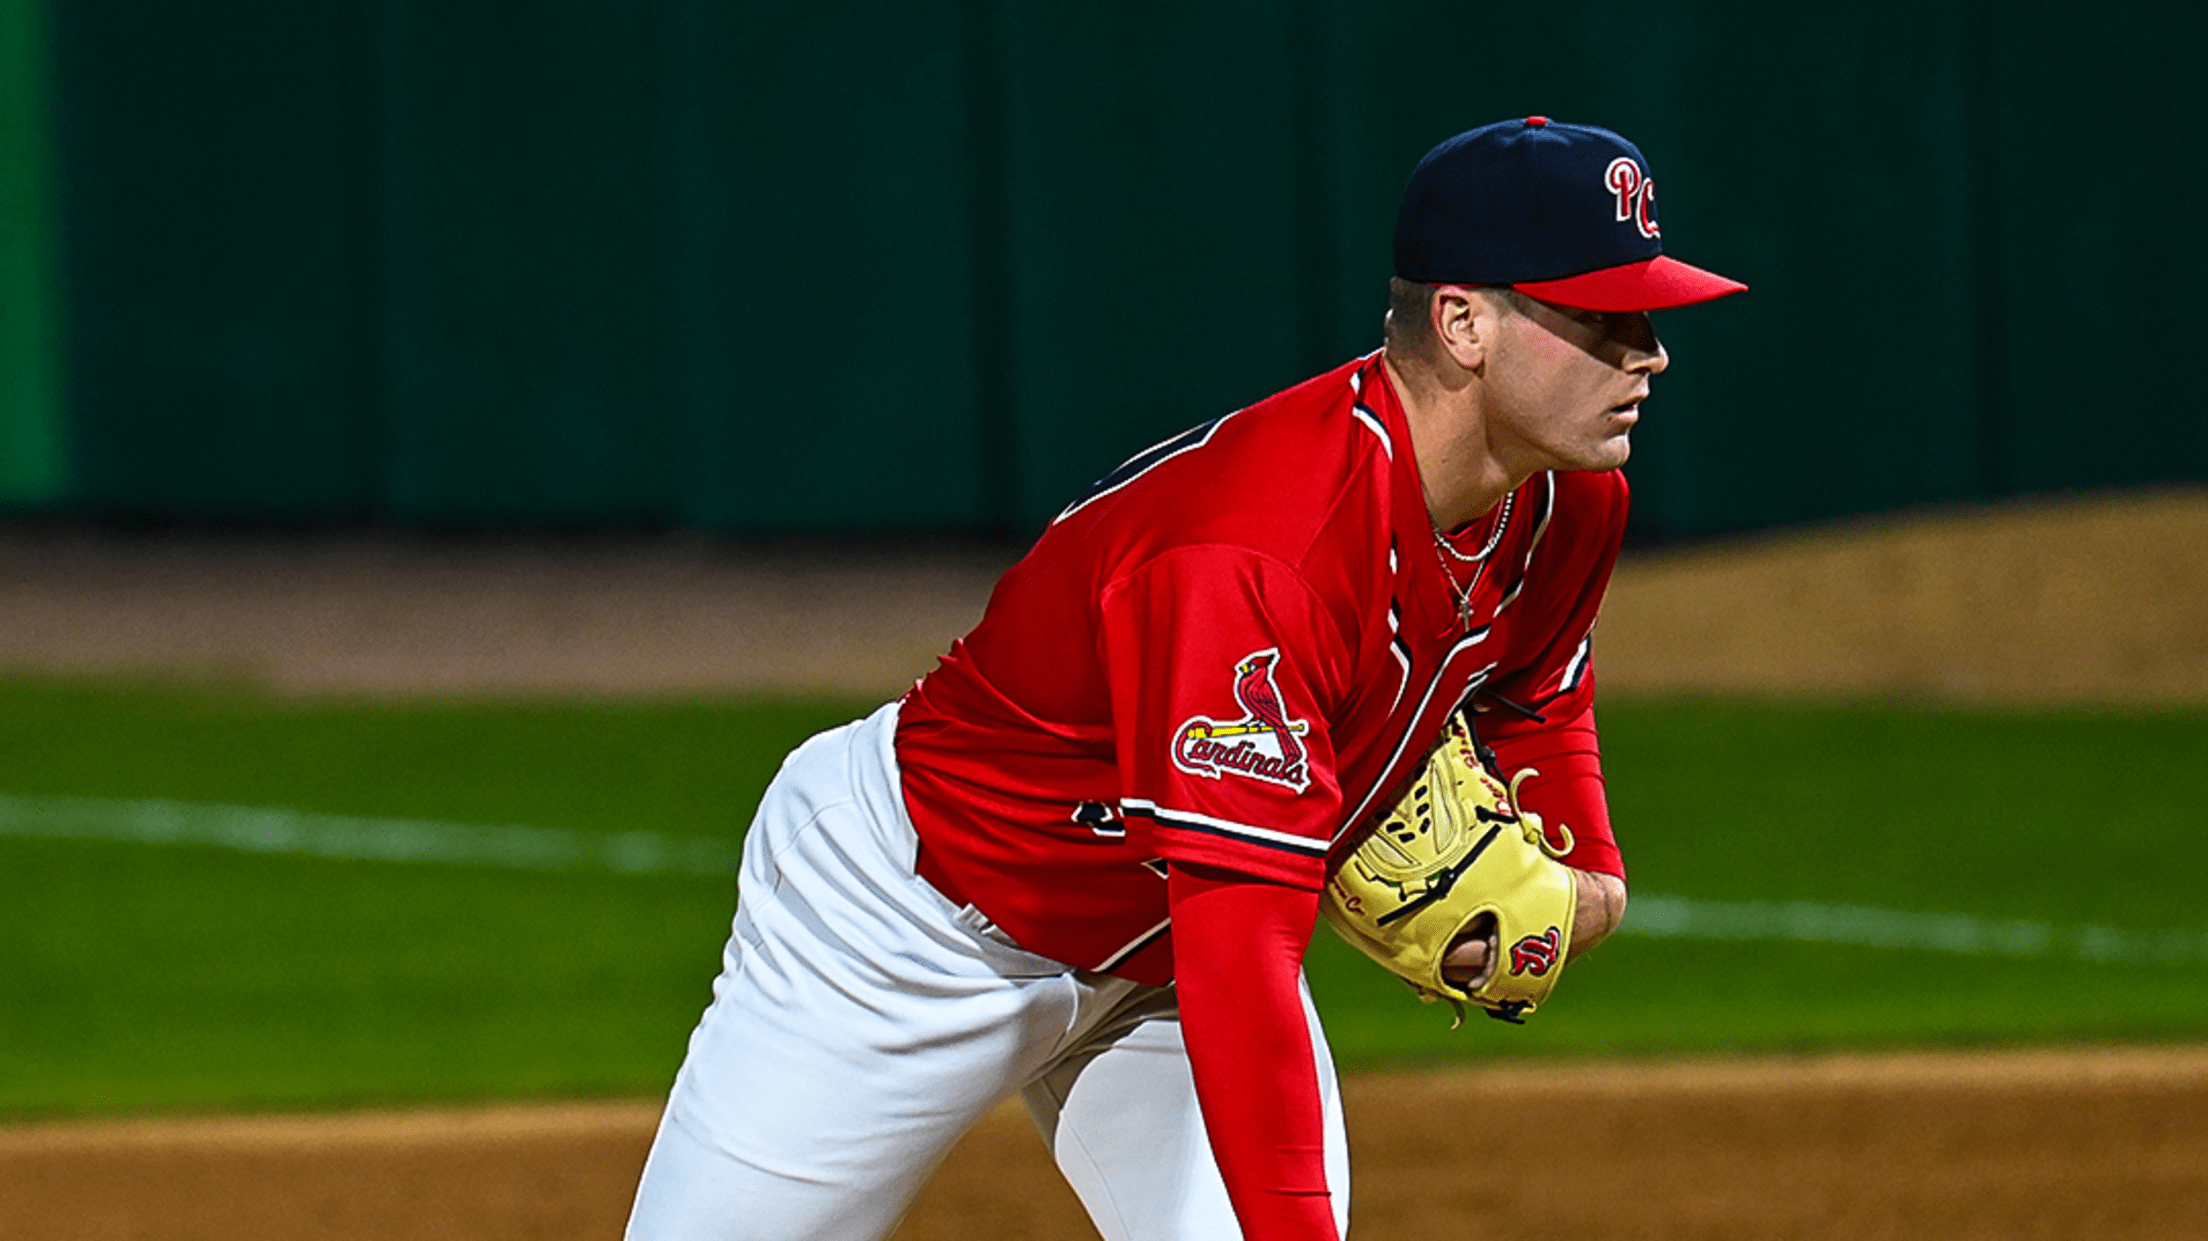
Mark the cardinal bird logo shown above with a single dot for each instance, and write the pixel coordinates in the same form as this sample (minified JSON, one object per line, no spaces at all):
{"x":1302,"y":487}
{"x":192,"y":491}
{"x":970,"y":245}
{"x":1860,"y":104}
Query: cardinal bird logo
{"x":1262,"y":745}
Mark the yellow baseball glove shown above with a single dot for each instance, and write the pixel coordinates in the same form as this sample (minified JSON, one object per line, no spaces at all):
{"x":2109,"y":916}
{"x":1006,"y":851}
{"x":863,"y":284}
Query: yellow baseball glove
{"x":1455,"y":851}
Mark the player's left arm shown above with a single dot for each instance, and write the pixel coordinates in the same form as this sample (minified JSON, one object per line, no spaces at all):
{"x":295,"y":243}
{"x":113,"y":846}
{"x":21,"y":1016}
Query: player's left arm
{"x":1570,"y":791}
{"x":1540,"y":714}
{"x":1598,"y":907}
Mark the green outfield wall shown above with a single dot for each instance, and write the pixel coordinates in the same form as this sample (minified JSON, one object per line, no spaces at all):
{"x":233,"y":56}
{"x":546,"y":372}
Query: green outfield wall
{"x":32,"y":470}
{"x":935,"y":265}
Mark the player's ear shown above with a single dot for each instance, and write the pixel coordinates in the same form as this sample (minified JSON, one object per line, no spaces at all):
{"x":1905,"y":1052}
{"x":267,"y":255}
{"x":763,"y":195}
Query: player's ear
{"x":1463,"y":322}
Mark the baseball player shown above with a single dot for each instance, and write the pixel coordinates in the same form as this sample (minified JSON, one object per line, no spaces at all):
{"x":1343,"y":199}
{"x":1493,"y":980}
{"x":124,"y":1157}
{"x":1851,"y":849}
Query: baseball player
{"x":1081,"y":860}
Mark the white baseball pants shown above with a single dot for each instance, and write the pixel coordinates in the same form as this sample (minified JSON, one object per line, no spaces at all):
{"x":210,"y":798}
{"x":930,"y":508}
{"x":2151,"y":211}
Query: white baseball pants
{"x":862,"y":1023}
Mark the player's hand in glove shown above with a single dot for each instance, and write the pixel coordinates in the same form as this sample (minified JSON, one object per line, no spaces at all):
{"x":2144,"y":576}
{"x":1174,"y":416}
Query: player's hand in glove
{"x":1457,"y":863}
{"x":1596,"y":912}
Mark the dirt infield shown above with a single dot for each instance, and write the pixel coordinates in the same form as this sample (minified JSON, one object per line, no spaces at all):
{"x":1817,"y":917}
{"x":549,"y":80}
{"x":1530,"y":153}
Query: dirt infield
{"x":2096,"y":600}
{"x":2110,"y":1144}
{"x":2080,"y":600}
{"x":2087,"y":600}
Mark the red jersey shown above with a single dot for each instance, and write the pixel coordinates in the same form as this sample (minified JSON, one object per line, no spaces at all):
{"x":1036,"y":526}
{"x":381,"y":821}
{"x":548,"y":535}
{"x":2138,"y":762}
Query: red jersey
{"x":1234,"y":651}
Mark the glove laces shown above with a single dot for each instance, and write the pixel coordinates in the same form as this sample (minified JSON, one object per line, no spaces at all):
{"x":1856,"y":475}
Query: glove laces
{"x":1530,"y":823}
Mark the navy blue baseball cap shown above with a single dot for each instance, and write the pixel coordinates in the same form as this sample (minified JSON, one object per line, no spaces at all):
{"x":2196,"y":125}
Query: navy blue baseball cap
{"x":1564,"y":213}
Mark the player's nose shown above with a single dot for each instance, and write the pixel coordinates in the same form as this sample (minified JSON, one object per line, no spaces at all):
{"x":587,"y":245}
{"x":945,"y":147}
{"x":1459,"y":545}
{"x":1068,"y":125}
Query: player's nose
{"x":1644,"y":354}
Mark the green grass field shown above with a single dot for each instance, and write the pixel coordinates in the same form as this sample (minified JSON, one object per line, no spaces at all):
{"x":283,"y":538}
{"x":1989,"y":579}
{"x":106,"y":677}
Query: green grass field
{"x":139,"y":977}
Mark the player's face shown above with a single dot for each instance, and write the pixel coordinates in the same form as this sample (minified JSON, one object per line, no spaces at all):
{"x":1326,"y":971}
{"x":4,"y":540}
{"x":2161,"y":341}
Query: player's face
{"x":1566,"y":385}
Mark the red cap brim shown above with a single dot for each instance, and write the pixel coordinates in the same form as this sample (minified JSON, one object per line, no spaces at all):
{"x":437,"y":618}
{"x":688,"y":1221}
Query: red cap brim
{"x":1652,"y":284}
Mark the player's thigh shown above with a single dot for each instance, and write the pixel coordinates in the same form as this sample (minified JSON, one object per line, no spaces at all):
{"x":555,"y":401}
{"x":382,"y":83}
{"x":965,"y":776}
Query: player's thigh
{"x":857,"y":1029}
{"x":780,"y":1130}
{"x":1121,"y":1118}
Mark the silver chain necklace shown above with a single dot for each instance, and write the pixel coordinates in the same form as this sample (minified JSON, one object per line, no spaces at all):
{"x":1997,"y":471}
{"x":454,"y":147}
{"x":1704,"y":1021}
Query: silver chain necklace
{"x":1447,"y":552}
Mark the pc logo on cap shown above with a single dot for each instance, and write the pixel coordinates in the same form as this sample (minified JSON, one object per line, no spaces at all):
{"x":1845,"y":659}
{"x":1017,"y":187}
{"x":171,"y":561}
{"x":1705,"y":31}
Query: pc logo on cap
{"x":1564,"y":213}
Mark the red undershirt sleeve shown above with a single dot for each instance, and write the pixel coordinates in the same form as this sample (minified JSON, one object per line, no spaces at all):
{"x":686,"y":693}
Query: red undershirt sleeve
{"x":1541,"y":713}
{"x":1238,"y":948}
{"x":1569,"y":791}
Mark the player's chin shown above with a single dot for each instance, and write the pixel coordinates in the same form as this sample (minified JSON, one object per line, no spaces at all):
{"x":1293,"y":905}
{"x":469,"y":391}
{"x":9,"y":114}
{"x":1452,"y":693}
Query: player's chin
{"x":1608,"y":453}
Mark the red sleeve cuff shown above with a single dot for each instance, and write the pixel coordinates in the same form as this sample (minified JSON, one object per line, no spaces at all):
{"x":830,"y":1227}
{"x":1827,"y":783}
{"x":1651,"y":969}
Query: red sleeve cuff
{"x":1255,"y":852}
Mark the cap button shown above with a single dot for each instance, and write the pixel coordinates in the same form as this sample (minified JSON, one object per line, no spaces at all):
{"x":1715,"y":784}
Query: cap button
{"x":1537,"y":120}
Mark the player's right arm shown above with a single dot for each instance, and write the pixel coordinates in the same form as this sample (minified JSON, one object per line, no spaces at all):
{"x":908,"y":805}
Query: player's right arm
{"x":1238,"y":947}
{"x":1207,"y":643}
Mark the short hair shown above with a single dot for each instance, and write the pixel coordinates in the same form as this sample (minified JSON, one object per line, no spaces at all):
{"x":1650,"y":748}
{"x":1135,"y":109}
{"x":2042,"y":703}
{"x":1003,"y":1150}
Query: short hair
{"x":1409,"y":330}
{"x":1410,"y":323}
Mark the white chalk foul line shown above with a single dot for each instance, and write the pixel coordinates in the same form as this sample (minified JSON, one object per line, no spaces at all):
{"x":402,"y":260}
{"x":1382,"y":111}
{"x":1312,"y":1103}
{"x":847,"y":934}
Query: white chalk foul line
{"x":298,"y":833}
{"x":1872,"y":926}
